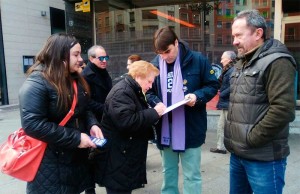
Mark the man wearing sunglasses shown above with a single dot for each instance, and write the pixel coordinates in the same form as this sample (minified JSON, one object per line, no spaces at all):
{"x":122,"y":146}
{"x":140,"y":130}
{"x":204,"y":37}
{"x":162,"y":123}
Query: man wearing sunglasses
{"x":100,"y":84}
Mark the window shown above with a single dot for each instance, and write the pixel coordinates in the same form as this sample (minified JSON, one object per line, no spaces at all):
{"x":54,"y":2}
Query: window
{"x":219,"y":24}
{"x":228,"y":12}
{"x":120,"y":19}
{"x":194,"y":33}
{"x":228,"y":25}
{"x":132,"y":32}
{"x":28,"y":61}
{"x":148,"y":46}
{"x":244,"y":2}
{"x":147,"y":15}
{"x":99,"y":22}
{"x":265,"y":2}
{"x":131,"y":17}
{"x":132,"y":48}
{"x":265,"y":14}
{"x":220,"y":12}
{"x":171,"y":13}
{"x":149,"y":30}
{"x":184,"y":16}
{"x":106,"y":21}
{"x":228,"y":39}
{"x":290,"y":35}
{"x":182,"y":6}
{"x":184,"y":32}
{"x":237,"y":2}
{"x":196,"y":18}
{"x":219,"y":39}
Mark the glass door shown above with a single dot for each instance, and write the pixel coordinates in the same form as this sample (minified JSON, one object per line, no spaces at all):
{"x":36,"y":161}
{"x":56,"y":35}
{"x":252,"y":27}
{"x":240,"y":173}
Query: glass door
{"x":291,"y":38}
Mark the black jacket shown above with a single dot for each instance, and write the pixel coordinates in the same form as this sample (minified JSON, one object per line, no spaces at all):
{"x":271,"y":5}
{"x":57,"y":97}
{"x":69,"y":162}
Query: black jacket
{"x":64,"y":166}
{"x":100,"y":84}
{"x":223,"y":102}
{"x":127,"y":116}
{"x":199,"y":79}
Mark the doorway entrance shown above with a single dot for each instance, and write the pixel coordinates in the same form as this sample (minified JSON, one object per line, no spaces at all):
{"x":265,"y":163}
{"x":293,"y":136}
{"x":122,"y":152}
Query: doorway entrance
{"x":291,"y":38}
{"x":3,"y":82}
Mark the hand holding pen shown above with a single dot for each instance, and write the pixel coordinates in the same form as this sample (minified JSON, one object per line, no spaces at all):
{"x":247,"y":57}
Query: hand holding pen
{"x":160,"y":108}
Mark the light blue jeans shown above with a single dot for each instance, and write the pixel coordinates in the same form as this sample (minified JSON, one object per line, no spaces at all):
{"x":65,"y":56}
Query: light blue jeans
{"x":247,"y":177}
{"x":190,"y":163}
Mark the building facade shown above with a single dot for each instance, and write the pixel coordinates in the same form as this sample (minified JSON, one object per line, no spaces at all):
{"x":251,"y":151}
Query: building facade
{"x":125,"y":27}
{"x":25,"y":26}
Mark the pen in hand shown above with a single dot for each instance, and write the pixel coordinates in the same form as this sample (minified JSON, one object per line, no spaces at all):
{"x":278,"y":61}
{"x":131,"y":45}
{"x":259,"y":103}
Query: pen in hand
{"x":160,"y":108}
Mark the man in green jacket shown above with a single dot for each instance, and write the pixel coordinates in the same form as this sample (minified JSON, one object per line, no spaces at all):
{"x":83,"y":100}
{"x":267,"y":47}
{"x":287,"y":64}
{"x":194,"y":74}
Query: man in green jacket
{"x":261,"y":106}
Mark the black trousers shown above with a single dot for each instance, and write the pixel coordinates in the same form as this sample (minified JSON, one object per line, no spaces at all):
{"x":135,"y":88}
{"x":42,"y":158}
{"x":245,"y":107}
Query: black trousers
{"x":109,"y":191}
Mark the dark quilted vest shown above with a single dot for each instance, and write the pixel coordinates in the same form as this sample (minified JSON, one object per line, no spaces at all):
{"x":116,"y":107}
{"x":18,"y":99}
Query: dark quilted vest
{"x":248,"y":105}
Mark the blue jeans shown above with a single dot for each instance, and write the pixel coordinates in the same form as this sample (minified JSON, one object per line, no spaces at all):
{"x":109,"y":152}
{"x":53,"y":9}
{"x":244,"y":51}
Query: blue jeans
{"x":247,"y":176}
{"x":190,"y":162}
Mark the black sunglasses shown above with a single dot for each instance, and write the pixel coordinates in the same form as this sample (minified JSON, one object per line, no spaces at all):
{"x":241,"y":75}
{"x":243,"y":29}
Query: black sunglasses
{"x":101,"y":58}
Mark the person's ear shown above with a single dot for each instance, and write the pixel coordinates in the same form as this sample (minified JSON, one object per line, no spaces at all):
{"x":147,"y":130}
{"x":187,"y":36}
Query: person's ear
{"x":259,"y":33}
{"x":91,"y":59}
{"x":176,"y":43}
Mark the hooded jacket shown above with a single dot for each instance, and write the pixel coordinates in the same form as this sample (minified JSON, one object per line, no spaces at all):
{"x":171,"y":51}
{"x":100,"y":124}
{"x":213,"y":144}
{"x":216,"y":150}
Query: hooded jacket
{"x":262,"y":103}
{"x":199,"y":79}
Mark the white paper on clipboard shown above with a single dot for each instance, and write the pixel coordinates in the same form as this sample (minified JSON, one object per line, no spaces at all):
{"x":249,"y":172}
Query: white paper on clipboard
{"x":173,"y":106}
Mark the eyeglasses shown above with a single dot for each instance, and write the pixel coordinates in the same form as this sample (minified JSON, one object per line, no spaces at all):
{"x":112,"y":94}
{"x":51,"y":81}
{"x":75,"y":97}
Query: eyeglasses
{"x":101,"y":58}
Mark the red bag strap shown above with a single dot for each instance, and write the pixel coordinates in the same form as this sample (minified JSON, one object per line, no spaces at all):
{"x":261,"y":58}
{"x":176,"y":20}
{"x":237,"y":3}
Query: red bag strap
{"x":71,"y":112}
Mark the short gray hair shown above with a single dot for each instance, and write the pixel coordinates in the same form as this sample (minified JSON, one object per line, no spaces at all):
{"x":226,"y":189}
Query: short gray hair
{"x":92,"y":50}
{"x":231,"y":55}
{"x":253,"y":19}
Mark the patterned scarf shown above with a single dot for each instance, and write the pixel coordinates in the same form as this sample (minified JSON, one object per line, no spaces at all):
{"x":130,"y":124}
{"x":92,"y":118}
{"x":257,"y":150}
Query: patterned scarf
{"x":177,"y":132}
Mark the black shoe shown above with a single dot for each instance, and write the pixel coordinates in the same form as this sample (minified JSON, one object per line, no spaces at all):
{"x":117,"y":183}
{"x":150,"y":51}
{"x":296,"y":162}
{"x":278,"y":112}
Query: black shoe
{"x":216,"y":150}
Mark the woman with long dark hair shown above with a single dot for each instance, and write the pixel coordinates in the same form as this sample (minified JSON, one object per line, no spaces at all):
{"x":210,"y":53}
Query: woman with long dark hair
{"x":45,"y":98}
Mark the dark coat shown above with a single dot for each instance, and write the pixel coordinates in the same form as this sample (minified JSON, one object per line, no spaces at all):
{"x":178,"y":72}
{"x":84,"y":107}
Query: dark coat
{"x":64,"y":167}
{"x":129,"y":120}
{"x":225,"y":89}
{"x":199,"y":79}
{"x":100,"y":84}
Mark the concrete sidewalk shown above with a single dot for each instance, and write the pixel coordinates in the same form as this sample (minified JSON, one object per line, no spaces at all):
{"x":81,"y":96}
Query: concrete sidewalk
{"x":214,"y":167}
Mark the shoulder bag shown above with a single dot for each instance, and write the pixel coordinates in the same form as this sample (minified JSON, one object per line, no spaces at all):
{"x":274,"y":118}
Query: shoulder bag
{"x":21,"y":155}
